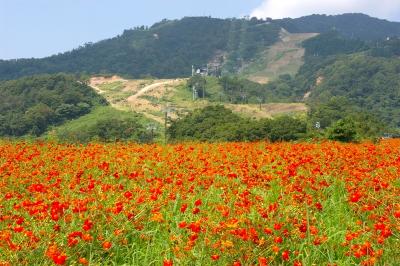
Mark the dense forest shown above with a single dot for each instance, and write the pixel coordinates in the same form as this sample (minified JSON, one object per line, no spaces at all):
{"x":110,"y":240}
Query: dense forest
{"x":367,"y":77}
{"x":30,"y":105}
{"x":351,"y":25}
{"x":216,"y":123}
{"x":105,"y":124}
{"x":340,"y":120}
{"x":368,"y":82}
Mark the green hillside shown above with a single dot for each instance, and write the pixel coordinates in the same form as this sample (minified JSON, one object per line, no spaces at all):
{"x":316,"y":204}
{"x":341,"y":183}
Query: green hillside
{"x":369,"y":83}
{"x":167,"y":49}
{"x":105,"y":123}
{"x":352,"y":25}
{"x":361,"y":69}
{"x":30,"y":105}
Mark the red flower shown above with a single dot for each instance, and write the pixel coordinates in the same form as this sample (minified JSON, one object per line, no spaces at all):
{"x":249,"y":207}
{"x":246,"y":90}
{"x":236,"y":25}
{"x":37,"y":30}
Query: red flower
{"x":297,"y":263}
{"x":277,"y":226}
{"x":285,"y":255}
{"x":262,"y":261}
{"x":182,"y":224}
{"x":197,"y":202}
{"x":107,"y":245}
{"x":88,"y":224}
{"x":128,"y":195}
{"x":59,"y":259}
{"x":184,"y":207}
{"x":196,"y":210}
{"x":168,"y":263}
{"x":215,"y":257}
{"x":355,"y":197}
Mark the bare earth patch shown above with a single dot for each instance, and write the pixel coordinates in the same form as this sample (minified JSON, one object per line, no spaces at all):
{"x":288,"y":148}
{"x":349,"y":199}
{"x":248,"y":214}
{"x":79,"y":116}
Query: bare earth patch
{"x":268,"y":110}
{"x":284,"y":57}
{"x":149,"y":97}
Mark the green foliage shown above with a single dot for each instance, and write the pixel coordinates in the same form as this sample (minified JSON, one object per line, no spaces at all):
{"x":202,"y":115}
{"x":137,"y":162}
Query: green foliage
{"x":371,"y":84}
{"x":358,"y":26}
{"x":343,"y":130}
{"x":331,"y":43}
{"x":365,"y":124}
{"x":216,"y":123}
{"x":117,"y":129}
{"x":213,"y":123}
{"x":327,"y":113}
{"x":286,"y":128}
{"x":166,"y":50}
{"x":105,"y":124}
{"x":239,"y":90}
{"x":246,"y":39}
{"x":387,"y":48}
{"x":236,"y":90}
{"x":30,"y":105}
{"x":199,"y":83}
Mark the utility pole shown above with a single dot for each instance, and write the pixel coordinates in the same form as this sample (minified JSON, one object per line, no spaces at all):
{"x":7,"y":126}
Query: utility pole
{"x":194,"y":92}
{"x":167,"y":109}
{"x":244,"y":96}
{"x":220,"y":96}
{"x":151,"y":128}
{"x":259,"y":99}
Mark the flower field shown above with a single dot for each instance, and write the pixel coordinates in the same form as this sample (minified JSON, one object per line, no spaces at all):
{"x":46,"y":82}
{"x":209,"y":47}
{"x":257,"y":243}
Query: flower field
{"x":200,"y":204}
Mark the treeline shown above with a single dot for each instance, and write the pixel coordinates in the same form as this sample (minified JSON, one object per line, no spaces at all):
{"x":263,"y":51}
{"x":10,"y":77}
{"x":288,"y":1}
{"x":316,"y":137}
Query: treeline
{"x":332,"y":43}
{"x":372,"y":84}
{"x":368,"y":77}
{"x":30,"y":105}
{"x":238,"y":90}
{"x":387,"y":48}
{"x":216,"y":123}
{"x":106,"y":124}
{"x":352,"y":25}
{"x":326,"y":121}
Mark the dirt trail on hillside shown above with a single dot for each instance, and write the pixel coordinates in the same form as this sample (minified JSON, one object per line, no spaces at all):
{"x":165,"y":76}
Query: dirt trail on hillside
{"x":152,"y":87}
{"x":149,"y":100}
{"x":95,"y":82}
{"x":148,"y":97}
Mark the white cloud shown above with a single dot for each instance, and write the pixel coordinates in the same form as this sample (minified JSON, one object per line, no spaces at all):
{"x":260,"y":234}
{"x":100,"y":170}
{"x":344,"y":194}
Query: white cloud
{"x":387,"y":9}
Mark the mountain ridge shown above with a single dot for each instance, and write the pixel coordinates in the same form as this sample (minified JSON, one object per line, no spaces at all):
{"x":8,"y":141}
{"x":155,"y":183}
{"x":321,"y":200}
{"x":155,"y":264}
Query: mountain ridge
{"x":168,"y":48}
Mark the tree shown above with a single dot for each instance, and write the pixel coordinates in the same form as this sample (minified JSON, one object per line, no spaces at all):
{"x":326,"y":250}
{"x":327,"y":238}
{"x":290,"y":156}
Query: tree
{"x":343,"y":130}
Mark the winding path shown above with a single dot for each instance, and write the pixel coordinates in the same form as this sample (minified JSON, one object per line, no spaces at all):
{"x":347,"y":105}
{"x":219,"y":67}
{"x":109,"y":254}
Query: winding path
{"x":149,"y":88}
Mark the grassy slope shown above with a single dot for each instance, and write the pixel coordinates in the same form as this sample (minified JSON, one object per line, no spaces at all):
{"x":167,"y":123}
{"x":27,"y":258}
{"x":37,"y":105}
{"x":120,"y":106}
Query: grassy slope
{"x":87,"y":121}
{"x":148,"y":108}
{"x":284,"y":57}
{"x":176,"y":94}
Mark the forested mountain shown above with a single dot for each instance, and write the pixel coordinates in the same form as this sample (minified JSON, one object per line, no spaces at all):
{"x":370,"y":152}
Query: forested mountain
{"x":169,"y":48}
{"x":30,"y":105}
{"x":370,"y":83}
{"x":352,"y":58}
{"x":367,"y":77}
{"x":352,"y":25}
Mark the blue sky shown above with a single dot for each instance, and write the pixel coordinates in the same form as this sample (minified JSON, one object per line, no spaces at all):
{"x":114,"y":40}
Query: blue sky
{"x":38,"y":28}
